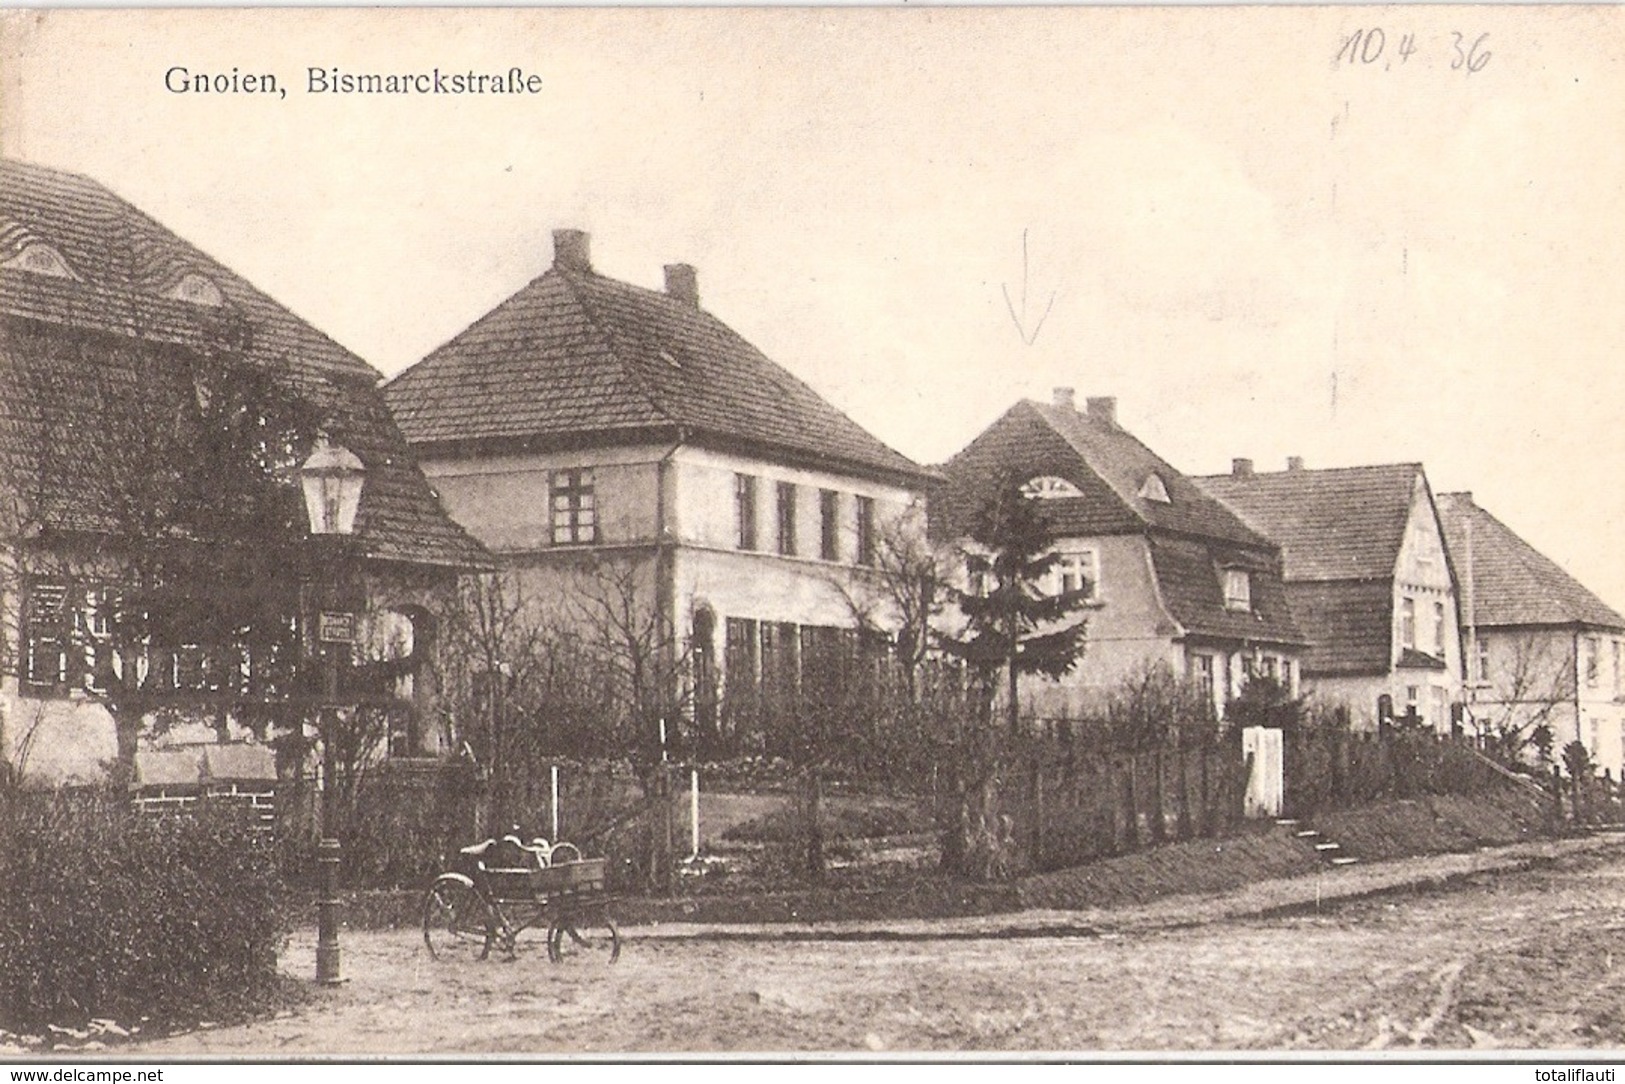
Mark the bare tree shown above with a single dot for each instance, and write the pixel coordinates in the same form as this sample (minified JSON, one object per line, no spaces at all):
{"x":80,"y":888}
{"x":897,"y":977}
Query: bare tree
{"x":645,"y":666}
{"x":903,"y":597}
{"x":1521,"y":696}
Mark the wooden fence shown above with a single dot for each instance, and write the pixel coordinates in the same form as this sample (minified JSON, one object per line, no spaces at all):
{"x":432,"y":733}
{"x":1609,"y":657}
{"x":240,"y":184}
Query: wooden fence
{"x":1330,"y":768}
{"x":1071,"y":801}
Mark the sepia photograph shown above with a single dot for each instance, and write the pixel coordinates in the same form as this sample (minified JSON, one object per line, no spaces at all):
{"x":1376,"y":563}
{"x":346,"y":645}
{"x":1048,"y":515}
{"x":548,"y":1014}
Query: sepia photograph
{"x":863,"y":534}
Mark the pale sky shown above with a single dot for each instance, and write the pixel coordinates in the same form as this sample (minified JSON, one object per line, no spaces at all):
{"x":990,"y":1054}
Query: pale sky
{"x":1231,"y":222}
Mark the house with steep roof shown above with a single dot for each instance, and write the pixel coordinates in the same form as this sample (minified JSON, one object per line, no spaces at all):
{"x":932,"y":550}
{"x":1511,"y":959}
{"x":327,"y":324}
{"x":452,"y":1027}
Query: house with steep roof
{"x":1172,"y":575}
{"x":109,"y":328}
{"x":1369,"y":580}
{"x":587,"y":428}
{"x":1541,"y":648}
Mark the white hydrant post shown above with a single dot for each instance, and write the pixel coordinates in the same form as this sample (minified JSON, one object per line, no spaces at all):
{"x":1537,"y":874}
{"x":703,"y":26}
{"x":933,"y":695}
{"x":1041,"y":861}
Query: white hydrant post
{"x":694,"y":810}
{"x":554,"y":805}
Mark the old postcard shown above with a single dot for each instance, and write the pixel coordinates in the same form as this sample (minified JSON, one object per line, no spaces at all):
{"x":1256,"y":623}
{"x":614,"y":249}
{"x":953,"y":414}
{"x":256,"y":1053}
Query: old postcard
{"x":860,"y":532}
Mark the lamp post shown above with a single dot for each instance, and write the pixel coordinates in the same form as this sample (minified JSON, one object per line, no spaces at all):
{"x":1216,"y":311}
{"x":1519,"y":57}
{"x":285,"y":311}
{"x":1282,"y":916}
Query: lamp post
{"x":331,"y":480}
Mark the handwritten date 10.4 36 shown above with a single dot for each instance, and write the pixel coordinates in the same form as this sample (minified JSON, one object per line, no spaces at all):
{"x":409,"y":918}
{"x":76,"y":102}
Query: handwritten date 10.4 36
{"x":1373,"y":48}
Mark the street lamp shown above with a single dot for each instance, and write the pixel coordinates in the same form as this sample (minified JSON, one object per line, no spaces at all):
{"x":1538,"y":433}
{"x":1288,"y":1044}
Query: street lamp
{"x":331,"y":480}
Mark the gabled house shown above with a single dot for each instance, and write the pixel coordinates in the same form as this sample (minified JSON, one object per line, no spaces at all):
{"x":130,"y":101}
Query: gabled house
{"x":1369,"y":579}
{"x":587,"y":424}
{"x":111,"y":328}
{"x":1541,"y":649}
{"x":1173,"y":576}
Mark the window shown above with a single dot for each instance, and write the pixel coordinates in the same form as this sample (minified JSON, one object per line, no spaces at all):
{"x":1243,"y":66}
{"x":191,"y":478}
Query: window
{"x":829,"y":525}
{"x":1202,"y":674}
{"x":1238,"y":589}
{"x":1078,"y":571}
{"x":1619,"y":675}
{"x":48,"y":631}
{"x":1407,"y":623}
{"x":575,"y":515}
{"x":68,"y":636}
{"x":739,"y":660}
{"x":196,"y":289}
{"x":866,"y":530}
{"x":1438,"y":629}
{"x":41,"y":259}
{"x":787,"y":519}
{"x":1422,"y":542}
{"x":1049,"y":486}
{"x":1483,"y":674}
{"x":745,"y":510}
{"x":1412,"y":703}
{"x":1591,"y":667}
{"x":976,"y":578}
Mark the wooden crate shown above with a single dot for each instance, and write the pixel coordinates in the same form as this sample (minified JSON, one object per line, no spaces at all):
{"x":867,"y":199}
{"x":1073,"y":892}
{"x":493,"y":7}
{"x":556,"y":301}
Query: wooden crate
{"x":584,"y":876}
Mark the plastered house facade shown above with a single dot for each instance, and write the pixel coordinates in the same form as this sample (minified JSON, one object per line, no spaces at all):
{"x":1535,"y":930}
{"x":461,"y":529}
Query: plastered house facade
{"x":1541,"y":649}
{"x":1173,"y":577}
{"x":599,"y":436}
{"x":1370,"y":582}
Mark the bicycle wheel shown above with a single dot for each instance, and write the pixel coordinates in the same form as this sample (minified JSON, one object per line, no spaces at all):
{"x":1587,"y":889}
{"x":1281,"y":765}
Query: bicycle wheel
{"x":457,"y":923}
{"x":591,"y":938}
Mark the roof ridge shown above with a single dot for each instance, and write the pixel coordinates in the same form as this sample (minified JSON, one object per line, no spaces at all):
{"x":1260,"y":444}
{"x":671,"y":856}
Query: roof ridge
{"x":611,"y":346}
{"x":1542,"y":567}
{"x":1043,"y":411}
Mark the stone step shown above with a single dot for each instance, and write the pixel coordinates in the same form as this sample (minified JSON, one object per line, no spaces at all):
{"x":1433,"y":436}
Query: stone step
{"x":1344,"y":860}
{"x":1286,"y":822}
{"x":1323,"y":847}
{"x":1307,"y":833}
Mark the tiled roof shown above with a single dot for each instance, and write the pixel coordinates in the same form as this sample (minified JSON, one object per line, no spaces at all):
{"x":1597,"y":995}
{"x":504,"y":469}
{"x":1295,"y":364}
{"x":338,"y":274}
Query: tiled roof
{"x":1107,"y":464}
{"x":1340,"y":524}
{"x":1187,"y":577}
{"x":123,"y":266}
{"x":1192,"y":536}
{"x":1349,"y":624}
{"x":575,"y":355}
{"x":1512,"y":583}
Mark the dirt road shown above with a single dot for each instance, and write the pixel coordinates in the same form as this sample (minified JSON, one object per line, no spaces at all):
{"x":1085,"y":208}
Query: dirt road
{"x":1532,"y":959}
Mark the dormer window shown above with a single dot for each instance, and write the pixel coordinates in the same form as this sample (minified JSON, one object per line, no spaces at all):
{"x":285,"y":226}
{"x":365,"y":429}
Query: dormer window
{"x":1154,"y":490}
{"x":1047,"y":486}
{"x":1238,"y":589}
{"x":40,"y":259}
{"x":197,"y":290}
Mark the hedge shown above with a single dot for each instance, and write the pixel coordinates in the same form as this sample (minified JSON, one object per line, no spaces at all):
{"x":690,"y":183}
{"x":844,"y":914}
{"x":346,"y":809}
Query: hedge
{"x":106,"y":912}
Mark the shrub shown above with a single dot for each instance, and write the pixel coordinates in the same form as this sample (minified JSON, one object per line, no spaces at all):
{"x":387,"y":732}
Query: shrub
{"x":107,"y":912}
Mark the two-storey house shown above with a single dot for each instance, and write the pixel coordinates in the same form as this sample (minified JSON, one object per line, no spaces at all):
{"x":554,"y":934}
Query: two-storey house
{"x":588,"y":425}
{"x":1541,"y":649}
{"x":1369,"y":580}
{"x":110,"y":331}
{"x":1172,"y":575}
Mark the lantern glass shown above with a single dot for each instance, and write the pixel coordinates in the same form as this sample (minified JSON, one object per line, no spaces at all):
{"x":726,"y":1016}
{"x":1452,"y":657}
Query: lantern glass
{"x":331,"y":480}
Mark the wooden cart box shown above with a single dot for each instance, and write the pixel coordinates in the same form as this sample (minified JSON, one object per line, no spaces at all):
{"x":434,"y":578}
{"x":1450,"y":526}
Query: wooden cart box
{"x":584,"y":876}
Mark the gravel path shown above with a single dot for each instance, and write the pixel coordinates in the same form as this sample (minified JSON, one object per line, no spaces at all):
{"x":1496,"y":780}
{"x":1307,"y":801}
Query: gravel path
{"x":1515,"y":948}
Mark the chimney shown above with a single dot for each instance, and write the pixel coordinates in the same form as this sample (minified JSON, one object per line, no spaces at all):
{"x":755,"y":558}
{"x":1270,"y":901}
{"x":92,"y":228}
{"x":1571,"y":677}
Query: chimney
{"x":1065,"y":397}
{"x":1103,"y":408}
{"x":1294,"y":462}
{"x":1241,"y":468}
{"x":571,"y":250}
{"x":683,"y":284}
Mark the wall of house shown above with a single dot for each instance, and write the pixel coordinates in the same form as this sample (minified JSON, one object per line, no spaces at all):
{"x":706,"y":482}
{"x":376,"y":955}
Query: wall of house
{"x":1600,"y":680}
{"x":710,"y":569}
{"x":56,"y":740}
{"x":1571,"y":680}
{"x":1422,"y":575}
{"x":1128,"y":630}
{"x":503,"y":500}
